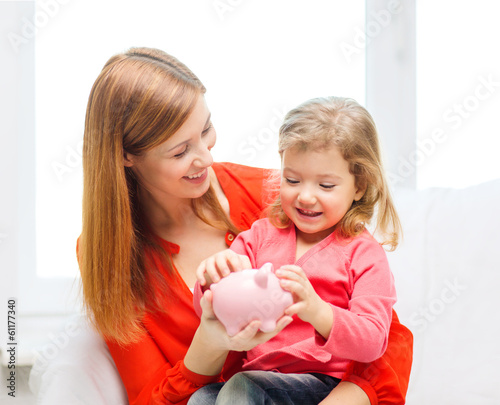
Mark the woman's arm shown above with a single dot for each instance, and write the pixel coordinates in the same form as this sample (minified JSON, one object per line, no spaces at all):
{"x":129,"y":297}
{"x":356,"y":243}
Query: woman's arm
{"x":150,"y":378}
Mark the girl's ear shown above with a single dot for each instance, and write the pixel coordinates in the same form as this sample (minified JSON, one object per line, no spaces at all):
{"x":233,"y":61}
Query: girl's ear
{"x":361,"y":189}
{"x":128,"y":159}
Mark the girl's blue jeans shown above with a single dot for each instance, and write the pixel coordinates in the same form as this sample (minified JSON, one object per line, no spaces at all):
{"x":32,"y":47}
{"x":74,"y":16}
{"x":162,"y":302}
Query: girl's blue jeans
{"x":266,"y":387}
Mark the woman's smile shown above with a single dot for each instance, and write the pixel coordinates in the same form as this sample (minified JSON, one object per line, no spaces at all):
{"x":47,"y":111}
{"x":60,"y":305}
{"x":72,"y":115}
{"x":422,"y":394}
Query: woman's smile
{"x":197,"y":178}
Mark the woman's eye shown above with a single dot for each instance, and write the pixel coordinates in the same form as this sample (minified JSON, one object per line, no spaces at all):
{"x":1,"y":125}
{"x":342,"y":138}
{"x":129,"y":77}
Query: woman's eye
{"x":291,"y":181}
{"x":179,"y":155}
{"x":327,"y":186}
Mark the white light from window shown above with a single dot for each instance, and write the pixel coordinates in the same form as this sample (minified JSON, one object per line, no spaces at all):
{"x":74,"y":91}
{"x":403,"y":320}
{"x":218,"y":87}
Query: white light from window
{"x":257,"y":59}
{"x":458,"y":93}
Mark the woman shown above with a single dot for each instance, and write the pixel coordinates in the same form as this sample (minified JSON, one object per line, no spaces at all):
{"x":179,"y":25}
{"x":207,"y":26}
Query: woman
{"x":155,"y":205}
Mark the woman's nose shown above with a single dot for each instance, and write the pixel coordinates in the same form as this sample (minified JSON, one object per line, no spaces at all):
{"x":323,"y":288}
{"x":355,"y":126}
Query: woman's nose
{"x":204,"y":158}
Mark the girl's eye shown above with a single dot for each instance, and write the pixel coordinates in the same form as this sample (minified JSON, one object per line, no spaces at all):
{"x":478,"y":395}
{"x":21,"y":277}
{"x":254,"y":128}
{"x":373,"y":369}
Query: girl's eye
{"x":327,"y":186}
{"x":179,"y":155}
{"x":207,"y":129}
{"x":290,"y":181}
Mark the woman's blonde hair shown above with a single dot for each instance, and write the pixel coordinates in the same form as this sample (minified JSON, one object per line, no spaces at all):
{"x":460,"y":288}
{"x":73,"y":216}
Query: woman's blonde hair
{"x":321,"y":123}
{"x":139,"y":100}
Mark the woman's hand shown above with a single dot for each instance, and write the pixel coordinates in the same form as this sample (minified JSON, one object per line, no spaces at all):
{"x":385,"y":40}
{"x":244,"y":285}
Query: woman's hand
{"x":308,"y":305}
{"x":220,"y":265}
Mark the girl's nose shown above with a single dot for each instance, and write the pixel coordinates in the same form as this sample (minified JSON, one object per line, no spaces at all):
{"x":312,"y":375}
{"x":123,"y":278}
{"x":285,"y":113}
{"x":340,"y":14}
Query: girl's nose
{"x":306,"y":197}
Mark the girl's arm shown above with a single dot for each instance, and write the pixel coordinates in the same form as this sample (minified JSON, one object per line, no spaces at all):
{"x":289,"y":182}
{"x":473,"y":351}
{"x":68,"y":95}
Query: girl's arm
{"x":385,"y":380}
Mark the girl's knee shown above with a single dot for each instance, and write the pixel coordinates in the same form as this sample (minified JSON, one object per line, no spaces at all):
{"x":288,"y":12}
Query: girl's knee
{"x":241,"y":388}
{"x":245,"y":378}
{"x":205,"y":395}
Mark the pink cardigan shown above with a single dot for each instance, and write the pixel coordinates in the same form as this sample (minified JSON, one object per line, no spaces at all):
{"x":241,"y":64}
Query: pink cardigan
{"x":352,"y":275}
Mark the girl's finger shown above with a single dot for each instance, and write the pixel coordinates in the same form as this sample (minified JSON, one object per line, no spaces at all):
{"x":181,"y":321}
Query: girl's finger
{"x":221,"y":263}
{"x":234,"y":263}
{"x":297,"y":287}
{"x":239,"y":262}
{"x":213,"y":269}
{"x":286,"y":272}
{"x":293,"y":309}
{"x":293,"y":268}
{"x":200,"y":273}
{"x":245,"y":262}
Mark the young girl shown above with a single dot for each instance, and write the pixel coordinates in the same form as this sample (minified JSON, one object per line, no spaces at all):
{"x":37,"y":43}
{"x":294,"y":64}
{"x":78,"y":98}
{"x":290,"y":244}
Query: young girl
{"x":331,"y":183}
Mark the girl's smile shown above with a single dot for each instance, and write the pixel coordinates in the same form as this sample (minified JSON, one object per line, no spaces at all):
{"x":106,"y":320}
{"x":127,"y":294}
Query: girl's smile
{"x":317,"y":190}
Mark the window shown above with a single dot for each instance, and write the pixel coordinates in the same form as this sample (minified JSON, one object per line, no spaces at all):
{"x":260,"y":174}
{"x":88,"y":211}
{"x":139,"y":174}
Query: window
{"x":458,"y":87}
{"x":257,"y":59}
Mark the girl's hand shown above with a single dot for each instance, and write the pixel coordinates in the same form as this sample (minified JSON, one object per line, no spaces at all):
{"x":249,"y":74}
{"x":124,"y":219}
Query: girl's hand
{"x":219,"y":265}
{"x":247,"y":339}
{"x":308,"y":305}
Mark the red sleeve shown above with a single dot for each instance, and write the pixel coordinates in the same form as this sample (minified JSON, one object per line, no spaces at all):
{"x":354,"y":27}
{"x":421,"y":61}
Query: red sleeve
{"x":150,"y":379}
{"x":385,"y":380}
{"x":148,"y":376}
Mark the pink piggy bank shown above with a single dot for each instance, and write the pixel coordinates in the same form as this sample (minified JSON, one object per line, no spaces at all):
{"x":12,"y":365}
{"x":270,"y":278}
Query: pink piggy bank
{"x":249,"y":295}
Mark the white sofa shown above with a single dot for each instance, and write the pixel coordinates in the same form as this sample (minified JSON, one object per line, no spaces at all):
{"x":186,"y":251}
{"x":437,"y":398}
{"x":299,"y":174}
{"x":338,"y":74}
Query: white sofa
{"x":448,"y":279}
{"x":447,"y":275}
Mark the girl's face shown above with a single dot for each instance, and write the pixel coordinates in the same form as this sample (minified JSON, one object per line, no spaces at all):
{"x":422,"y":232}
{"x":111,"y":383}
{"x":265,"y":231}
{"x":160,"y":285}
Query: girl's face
{"x":317,"y":190}
{"x":179,"y":166}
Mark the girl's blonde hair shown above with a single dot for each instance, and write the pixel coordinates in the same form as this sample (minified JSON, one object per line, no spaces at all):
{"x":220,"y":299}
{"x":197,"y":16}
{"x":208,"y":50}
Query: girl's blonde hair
{"x":334,"y":121}
{"x":139,"y":100}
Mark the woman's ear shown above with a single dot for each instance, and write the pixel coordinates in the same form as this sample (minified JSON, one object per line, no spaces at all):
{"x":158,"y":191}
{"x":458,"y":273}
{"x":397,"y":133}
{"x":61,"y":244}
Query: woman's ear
{"x":128,"y":159}
{"x":361,"y":189}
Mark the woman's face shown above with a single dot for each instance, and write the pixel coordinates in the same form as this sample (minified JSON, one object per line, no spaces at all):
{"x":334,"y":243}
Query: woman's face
{"x":178,"y":168}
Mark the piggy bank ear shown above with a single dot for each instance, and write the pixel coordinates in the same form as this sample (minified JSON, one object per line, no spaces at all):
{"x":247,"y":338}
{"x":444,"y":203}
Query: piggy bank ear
{"x":268,"y":267}
{"x":262,"y":275}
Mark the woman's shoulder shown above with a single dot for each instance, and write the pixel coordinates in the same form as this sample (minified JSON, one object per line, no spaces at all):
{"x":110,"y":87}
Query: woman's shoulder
{"x":249,"y":190}
{"x":224,"y":170}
